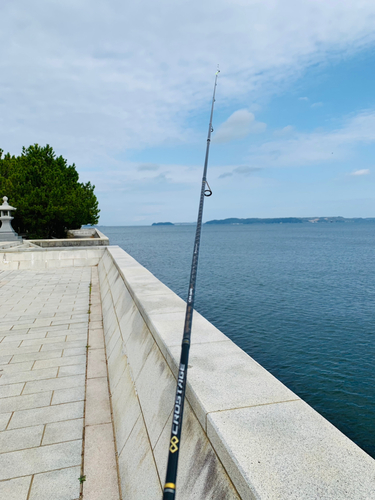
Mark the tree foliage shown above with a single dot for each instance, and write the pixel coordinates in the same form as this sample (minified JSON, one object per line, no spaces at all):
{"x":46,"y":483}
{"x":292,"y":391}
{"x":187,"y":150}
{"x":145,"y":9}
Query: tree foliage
{"x":46,"y":192}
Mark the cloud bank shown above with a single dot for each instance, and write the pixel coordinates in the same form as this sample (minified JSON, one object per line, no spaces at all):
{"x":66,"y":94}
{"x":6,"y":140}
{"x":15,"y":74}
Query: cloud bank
{"x":305,"y":149}
{"x":99,"y":79}
{"x":93,"y":78}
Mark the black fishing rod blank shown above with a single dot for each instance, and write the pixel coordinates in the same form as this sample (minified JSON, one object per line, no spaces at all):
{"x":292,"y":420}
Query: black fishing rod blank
{"x":174,"y":444}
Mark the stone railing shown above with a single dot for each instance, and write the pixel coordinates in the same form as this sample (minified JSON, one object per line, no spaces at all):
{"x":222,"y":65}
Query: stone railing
{"x":49,"y":258}
{"x":76,"y":238}
{"x":245,"y":434}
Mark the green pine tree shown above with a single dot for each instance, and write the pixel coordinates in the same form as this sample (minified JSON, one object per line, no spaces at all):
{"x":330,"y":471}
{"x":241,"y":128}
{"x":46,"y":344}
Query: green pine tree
{"x":46,"y":192}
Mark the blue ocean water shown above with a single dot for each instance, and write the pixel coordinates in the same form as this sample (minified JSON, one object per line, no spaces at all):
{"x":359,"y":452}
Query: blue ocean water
{"x":298,"y":298}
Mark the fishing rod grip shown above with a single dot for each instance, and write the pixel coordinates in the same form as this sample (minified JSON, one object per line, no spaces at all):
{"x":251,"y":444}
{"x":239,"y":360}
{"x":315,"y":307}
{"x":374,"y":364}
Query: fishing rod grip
{"x":168,"y":495}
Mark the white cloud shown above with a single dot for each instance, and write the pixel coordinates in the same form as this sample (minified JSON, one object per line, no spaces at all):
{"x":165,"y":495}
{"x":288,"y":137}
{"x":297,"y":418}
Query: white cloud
{"x":364,"y":171}
{"x":317,"y":147}
{"x":317,"y":105}
{"x":303,"y":98}
{"x":239,"y":125}
{"x":246,"y":170}
{"x":242,"y":170}
{"x":284,"y":131}
{"x":147,"y":167}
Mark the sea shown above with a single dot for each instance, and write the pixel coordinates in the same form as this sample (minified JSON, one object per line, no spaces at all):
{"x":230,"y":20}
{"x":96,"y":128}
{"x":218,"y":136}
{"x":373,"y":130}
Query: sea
{"x":298,"y":298}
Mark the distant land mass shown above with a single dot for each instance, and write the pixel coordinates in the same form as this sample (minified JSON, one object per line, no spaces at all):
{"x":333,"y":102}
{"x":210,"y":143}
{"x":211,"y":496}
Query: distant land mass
{"x":162,"y":224}
{"x":292,"y":220}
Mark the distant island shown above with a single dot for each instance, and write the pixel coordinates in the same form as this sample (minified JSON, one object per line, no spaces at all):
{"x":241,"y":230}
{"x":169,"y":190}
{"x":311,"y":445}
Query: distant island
{"x":291,"y":220}
{"x":162,"y":224}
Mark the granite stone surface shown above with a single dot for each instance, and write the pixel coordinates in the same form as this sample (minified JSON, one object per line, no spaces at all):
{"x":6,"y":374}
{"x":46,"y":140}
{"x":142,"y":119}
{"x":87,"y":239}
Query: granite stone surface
{"x":43,"y":358}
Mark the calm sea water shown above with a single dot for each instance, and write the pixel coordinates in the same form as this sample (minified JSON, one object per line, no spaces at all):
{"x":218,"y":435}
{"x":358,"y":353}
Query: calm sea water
{"x":297,"y":298}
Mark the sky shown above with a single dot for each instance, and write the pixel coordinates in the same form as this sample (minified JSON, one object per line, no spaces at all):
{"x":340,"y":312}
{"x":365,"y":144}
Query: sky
{"x":123,"y":90}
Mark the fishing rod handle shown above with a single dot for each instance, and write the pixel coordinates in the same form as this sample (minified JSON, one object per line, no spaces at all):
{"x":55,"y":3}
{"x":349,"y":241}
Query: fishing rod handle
{"x":177,"y":416}
{"x":169,"y":495}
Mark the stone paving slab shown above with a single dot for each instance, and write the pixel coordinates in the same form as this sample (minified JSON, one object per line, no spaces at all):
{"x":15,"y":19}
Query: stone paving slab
{"x":17,"y":403}
{"x":40,"y":459}
{"x":68,"y":430}
{"x":53,"y":384}
{"x":15,"y":489}
{"x":67,"y":411}
{"x":100,"y":484}
{"x":19,"y":367}
{"x":69,"y":360}
{"x":18,"y":439}
{"x":57,"y":485}
{"x":68,"y":395}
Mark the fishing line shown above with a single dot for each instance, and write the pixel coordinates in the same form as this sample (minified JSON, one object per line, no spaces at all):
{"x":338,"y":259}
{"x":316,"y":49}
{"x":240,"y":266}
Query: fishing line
{"x":174,"y":443}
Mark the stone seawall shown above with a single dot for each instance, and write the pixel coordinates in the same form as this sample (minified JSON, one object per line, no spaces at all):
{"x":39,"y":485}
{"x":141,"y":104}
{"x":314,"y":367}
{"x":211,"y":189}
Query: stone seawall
{"x":245,"y":434}
{"x":242,"y":427}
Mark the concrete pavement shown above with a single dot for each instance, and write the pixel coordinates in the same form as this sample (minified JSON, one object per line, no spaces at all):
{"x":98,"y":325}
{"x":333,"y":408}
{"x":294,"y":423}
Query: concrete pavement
{"x":46,"y":332}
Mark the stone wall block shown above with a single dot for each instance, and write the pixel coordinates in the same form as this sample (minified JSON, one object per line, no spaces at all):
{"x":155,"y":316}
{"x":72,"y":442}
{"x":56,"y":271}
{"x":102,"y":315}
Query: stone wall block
{"x":94,"y":253}
{"x":104,"y":287}
{"x":139,"y":479}
{"x":117,"y":361}
{"x":200,"y":473}
{"x":107,"y":261}
{"x":122,"y":300}
{"x":167,"y":330}
{"x":155,"y":386}
{"x":143,"y":282}
{"x":121,"y":258}
{"x":117,"y":288}
{"x":111,"y":342}
{"x":105,"y":294}
{"x":287,"y":450}
{"x":67,"y":263}
{"x":127,"y":319}
{"x":139,"y":343}
{"x":112,"y":274}
{"x":242,"y":382}
{"x":6,"y":265}
{"x":102,"y":274}
{"x":126,"y":408}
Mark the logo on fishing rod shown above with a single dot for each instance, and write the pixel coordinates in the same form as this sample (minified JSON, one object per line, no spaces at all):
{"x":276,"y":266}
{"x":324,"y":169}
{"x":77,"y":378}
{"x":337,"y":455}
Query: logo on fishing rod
{"x":177,"y":405}
{"x":173,"y":447}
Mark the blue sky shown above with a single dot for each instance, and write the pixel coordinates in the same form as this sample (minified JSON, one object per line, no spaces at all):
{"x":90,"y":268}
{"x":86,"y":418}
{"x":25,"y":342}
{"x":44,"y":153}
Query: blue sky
{"x":123,"y":91}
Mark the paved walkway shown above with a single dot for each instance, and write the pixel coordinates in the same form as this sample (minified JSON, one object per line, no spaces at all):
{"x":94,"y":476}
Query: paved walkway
{"x":43,"y":349}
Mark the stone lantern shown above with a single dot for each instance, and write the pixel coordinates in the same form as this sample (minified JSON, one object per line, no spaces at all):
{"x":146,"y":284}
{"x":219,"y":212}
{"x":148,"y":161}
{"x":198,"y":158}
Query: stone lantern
{"x":7,"y":233}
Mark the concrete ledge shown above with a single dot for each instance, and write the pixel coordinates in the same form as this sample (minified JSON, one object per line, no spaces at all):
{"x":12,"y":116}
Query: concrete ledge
{"x":142,"y":389}
{"x":39,"y":258}
{"x":89,"y":232}
{"x":78,"y":238}
{"x":245,"y":434}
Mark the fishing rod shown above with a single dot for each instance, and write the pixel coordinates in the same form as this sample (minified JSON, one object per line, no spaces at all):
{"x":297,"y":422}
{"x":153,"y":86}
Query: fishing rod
{"x":178,"y":410}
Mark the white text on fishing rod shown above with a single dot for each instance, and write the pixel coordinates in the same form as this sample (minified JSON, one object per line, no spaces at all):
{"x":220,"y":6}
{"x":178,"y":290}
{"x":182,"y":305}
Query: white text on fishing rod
{"x":177,"y":406}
